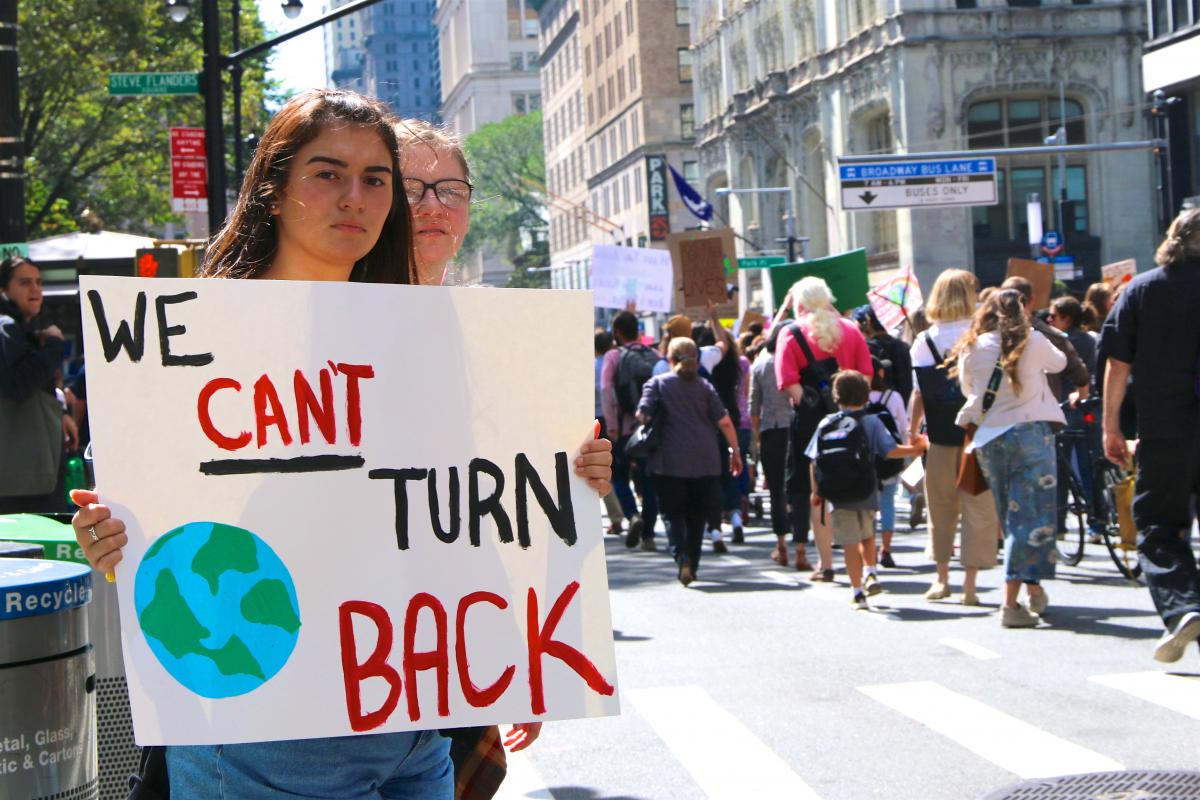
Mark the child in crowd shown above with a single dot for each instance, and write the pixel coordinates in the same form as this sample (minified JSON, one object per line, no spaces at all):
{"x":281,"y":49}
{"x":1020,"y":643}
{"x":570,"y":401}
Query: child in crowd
{"x":844,"y":452}
{"x":887,"y":405}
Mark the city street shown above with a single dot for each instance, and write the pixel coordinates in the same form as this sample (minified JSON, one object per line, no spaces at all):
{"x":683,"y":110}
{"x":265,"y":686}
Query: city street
{"x":753,"y":683}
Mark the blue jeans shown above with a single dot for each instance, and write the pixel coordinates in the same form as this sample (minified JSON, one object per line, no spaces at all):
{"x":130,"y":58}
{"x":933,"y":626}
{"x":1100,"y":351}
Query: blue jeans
{"x":622,"y":473}
{"x":387,"y":766}
{"x":887,"y":505}
{"x":1021,"y":471}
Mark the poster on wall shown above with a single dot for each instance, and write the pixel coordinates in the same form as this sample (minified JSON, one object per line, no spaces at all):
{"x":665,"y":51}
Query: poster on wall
{"x":339,"y":524}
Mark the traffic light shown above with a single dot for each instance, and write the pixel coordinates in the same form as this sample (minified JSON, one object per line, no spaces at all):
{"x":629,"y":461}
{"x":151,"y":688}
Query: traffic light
{"x":156,"y":262}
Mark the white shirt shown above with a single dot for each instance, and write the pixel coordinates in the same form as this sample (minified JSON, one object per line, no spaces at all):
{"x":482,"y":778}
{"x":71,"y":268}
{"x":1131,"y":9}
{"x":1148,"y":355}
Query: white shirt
{"x":945,"y":335}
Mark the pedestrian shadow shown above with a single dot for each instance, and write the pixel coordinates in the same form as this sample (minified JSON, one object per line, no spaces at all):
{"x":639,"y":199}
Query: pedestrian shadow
{"x":1089,"y":620}
{"x":905,"y":588}
{"x":1090,"y":578}
{"x":576,"y":793}
{"x":620,"y":636}
{"x":947,"y":612}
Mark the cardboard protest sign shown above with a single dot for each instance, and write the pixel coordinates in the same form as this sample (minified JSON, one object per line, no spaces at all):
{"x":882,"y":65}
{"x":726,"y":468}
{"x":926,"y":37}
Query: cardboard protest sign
{"x":1119,"y":271}
{"x":1040,"y":274}
{"x":703,"y":261}
{"x":846,"y":274}
{"x":641,"y":274}
{"x":339,"y":523}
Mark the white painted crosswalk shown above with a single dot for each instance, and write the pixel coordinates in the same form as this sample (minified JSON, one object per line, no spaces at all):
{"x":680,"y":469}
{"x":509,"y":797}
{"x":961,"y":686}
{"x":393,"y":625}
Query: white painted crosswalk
{"x":1010,"y":743}
{"x":1176,"y":692}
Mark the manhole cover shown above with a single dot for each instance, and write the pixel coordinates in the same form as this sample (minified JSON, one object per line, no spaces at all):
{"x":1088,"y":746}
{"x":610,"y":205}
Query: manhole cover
{"x":1140,"y":785}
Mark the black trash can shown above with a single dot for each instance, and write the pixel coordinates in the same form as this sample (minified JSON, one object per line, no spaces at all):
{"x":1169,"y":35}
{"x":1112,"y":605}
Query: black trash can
{"x":47,"y":682}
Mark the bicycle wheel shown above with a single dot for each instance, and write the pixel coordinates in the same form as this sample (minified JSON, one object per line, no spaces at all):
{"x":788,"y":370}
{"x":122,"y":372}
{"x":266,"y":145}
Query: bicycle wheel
{"x":1071,"y":539}
{"x":1125,"y":560}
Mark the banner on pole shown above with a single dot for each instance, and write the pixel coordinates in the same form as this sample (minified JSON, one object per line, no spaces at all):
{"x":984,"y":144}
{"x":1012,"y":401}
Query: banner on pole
{"x":349,"y":526}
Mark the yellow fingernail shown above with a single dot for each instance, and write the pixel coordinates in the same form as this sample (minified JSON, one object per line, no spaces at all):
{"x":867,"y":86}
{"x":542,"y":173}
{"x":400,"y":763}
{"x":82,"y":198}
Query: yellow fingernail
{"x":111,"y":577}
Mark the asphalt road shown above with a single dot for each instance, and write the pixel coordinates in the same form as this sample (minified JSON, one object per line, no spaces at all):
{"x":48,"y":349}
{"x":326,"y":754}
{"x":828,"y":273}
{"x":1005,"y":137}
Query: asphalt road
{"x":753,"y":683}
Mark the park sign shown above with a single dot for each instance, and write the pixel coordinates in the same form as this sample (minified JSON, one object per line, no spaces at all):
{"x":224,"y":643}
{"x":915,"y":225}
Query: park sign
{"x":760,"y":262}
{"x":918,"y":184}
{"x":317,"y":548}
{"x":144,"y":83}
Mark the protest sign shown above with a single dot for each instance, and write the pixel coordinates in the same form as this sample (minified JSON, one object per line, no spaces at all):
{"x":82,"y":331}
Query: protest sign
{"x":339,"y":523}
{"x":641,"y":274}
{"x":894,"y":301}
{"x":703,"y":261}
{"x":1040,"y":274}
{"x":846,"y":274}
{"x":1119,"y":272}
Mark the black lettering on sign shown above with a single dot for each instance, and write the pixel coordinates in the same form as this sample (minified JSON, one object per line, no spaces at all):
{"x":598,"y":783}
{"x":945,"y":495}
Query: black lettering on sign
{"x":401,"y":478}
{"x":435,"y":516}
{"x":561,"y":516}
{"x":165,"y":332}
{"x":479,"y":508}
{"x":132,"y":341}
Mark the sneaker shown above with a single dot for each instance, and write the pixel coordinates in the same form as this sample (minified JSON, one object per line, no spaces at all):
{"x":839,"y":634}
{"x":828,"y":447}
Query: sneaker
{"x":634,"y":534}
{"x":1185,"y":631}
{"x":886,"y":560}
{"x":1038,"y":602}
{"x":871,"y":585}
{"x":649,"y":546}
{"x":860,"y":602}
{"x":1019,"y":617}
{"x":719,"y":546}
{"x":614,"y":529}
{"x":938,"y":591}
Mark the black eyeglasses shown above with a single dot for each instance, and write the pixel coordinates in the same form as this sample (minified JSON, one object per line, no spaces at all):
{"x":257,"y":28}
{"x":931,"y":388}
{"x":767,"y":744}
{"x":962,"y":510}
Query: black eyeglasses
{"x":450,"y":192}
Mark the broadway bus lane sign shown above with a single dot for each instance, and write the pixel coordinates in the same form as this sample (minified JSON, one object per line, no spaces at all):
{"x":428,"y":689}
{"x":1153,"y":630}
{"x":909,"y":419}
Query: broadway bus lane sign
{"x":912,"y":184}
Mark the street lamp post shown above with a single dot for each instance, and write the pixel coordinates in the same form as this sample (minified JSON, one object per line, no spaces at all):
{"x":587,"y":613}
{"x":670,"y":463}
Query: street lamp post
{"x":215,"y":63}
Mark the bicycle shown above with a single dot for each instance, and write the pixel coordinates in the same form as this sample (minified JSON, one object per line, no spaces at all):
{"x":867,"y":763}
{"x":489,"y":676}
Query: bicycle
{"x":1098,"y":516}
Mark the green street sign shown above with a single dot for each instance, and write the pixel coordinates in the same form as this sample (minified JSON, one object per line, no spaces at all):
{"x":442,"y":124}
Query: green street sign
{"x":10,"y":249}
{"x":761,"y":262}
{"x":142,"y":83}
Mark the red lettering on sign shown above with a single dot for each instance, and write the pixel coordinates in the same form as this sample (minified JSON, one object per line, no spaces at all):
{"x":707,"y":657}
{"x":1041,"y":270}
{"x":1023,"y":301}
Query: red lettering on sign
{"x":306,"y":403}
{"x":264,"y":394}
{"x":376,"y":666}
{"x":541,"y":641}
{"x":436,"y":659}
{"x":474,"y":695}
{"x":206,"y":423}
{"x":354,"y":373}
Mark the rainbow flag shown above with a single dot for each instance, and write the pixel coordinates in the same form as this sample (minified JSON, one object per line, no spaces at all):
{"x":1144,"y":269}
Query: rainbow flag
{"x":893,"y":300}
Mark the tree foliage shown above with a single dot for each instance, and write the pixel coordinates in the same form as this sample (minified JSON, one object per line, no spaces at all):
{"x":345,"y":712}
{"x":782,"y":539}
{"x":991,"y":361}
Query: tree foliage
{"x":509,"y":169}
{"x":85,"y":149}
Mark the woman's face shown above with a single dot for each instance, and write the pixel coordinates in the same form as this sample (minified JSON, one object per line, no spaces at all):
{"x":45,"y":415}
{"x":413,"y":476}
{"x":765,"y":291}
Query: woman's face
{"x":438,"y":230}
{"x":25,"y":290}
{"x":334,"y":204}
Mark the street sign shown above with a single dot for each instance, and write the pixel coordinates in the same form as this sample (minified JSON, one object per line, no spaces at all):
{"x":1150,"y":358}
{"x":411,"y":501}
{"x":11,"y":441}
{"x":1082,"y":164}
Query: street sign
{"x":10,"y":249}
{"x":189,"y":170}
{"x":1052,"y":243}
{"x":761,"y":262}
{"x":143,"y":83}
{"x":915,"y":184}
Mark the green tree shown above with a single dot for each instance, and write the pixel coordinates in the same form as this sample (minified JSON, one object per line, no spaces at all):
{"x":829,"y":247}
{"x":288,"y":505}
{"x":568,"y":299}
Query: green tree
{"x":509,"y":175}
{"x":85,"y":149}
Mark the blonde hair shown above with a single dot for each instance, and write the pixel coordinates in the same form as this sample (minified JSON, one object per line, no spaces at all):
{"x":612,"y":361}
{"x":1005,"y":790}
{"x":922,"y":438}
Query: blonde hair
{"x":411,"y":132}
{"x":684,"y":358}
{"x":952,"y":297}
{"x":811,"y":298}
{"x":1182,"y":242}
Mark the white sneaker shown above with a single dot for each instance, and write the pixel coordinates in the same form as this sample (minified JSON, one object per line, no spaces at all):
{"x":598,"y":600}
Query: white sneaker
{"x":1171,"y":646}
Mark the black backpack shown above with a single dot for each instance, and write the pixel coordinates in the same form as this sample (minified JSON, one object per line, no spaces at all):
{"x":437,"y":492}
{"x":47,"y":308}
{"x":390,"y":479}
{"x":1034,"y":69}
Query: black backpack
{"x":844,"y":469}
{"x":635,"y":366}
{"x":816,"y":379}
{"x":886,"y":467}
{"x":943,"y":400}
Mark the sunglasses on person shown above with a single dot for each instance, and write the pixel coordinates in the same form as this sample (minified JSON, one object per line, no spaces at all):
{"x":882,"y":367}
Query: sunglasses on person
{"x":450,"y":192}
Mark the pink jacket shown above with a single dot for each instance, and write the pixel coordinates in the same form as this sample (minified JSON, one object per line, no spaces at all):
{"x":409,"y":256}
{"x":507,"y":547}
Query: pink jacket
{"x":851,"y":353}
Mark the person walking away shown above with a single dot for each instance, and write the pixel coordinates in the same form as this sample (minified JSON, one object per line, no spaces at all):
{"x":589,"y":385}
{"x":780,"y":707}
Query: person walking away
{"x":1081,"y":445}
{"x":612,"y":506}
{"x":623,"y":374}
{"x":35,"y":428}
{"x":770,"y":419}
{"x":1002,"y":364}
{"x":890,"y":351}
{"x":1097,"y":301}
{"x":727,"y":379}
{"x":818,"y":343}
{"x":686,"y":466}
{"x":936,"y":401}
{"x":886,"y":405}
{"x":842,"y":455}
{"x":1153,"y":333}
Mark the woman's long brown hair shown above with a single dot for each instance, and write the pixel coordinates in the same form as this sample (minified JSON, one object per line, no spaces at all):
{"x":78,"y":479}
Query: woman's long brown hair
{"x":246,"y":245}
{"x":1003,"y":311}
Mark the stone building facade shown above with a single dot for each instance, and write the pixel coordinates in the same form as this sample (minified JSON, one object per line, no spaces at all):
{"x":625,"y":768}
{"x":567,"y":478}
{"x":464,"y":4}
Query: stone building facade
{"x":784,"y":87}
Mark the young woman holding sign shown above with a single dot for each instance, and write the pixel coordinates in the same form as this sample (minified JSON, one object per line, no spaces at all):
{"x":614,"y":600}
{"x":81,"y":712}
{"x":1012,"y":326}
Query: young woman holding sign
{"x":319,"y":202}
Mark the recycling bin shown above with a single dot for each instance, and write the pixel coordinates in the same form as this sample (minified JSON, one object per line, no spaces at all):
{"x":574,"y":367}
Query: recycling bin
{"x":47,"y":682}
{"x":21,"y":550}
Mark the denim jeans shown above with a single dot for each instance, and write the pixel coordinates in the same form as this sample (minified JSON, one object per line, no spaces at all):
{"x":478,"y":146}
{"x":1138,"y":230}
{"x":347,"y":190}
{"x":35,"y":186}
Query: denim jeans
{"x":887,"y":505}
{"x":386,"y":766}
{"x":1020,"y":468}
{"x":622,"y":473}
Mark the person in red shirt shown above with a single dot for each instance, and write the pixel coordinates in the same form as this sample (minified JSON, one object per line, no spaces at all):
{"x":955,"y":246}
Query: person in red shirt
{"x":817,"y":344}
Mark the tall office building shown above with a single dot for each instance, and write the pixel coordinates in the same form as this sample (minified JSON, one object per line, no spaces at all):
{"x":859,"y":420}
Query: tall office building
{"x":401,"y":66}
{"x":344,"y":49}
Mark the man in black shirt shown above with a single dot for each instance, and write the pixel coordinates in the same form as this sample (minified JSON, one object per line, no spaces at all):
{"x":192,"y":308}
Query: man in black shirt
{"x":1154,"y":330}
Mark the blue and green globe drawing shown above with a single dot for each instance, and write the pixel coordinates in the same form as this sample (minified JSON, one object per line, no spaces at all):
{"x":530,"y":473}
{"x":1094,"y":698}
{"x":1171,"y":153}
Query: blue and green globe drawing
{"x":218,"y":608}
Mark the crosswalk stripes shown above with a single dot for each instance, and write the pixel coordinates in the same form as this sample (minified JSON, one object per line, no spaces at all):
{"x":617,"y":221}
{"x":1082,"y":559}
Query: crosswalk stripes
{"x":1006,"y":741}
{"x":687,"y":719}
{"x":522,"y":782}
{"x":970,"y":648}
{"x":1176,"y":692}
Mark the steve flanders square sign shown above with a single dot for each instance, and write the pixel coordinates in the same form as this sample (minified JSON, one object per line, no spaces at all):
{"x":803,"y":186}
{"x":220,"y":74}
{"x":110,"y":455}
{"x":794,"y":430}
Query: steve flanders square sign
{"x":339,"y":523}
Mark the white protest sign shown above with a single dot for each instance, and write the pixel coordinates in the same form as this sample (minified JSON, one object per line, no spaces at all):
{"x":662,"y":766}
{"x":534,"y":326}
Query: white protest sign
{"x":1119,"y":271}
{"x":640,"y":274}
{"x":351,"y":508}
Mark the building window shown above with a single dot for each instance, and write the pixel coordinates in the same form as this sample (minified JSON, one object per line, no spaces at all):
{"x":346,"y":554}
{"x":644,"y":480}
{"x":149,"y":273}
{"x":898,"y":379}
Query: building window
{"x":587,"y":59}
{"x":625,"y":189}
{"x":683,"y":12}
{"x":637,"y":184}
{"x":683,"y":57}
{"x":629,"y":17}
{"x":611,"y":97}
{"x":633,"y":73}
{"x":687,"y":121}
{"x":624,"y":138}
{"x":608,"y":40}
{"x":600,"y":102}
{"x":620,"y":83}
{"x":637,"y":134}
{"x":1022,"y":122}
{"x":518,"y":104}
{"x":617,"y":34}
{"x":591,"y":117}
{"x":691,"y":172}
